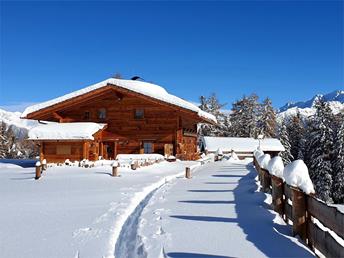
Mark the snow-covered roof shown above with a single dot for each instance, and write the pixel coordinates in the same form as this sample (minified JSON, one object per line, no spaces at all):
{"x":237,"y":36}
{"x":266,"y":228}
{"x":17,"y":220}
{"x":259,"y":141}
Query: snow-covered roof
{"x":238,"y":144}
{"x":144,"y":88}
{"x":65,"y":131}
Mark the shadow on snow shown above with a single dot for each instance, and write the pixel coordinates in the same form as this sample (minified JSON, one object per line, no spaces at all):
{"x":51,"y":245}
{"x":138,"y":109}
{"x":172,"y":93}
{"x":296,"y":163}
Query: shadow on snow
{"x":193,"y":255}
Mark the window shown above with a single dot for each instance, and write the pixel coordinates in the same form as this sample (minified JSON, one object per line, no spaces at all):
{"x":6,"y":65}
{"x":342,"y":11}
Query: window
{"x":139,"y":114}
{"x":102,"y":113}
{"x":148,"y":147}
{"x":87,"y":115}
{"x":63,"y":150}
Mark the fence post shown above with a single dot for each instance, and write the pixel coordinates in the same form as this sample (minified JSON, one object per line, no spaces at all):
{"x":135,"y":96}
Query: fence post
{"x":266,"y":181}
{"x":188,"y":172}
{"x":133,"y":165}
{"x":277,"y":195}
{"x":38,"y":170}
{"x":299,"y":213}
{"x":115,"y":171}
{"x":44,"y":164}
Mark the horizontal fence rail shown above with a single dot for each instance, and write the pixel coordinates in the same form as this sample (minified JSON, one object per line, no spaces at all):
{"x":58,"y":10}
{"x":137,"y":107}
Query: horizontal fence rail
{"x":311,"y":218}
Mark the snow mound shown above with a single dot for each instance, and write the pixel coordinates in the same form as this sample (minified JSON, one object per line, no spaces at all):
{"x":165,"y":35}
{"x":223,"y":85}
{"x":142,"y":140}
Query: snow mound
{"x":257,"y":153}
{"x":263,"y":161}
{"x":276,"y":166}
{"x":219,"y":151}
{"x":128,"y":158}
{"x":8,"y":165}
{"x":234,"y":156}
{"x":296,"y":174}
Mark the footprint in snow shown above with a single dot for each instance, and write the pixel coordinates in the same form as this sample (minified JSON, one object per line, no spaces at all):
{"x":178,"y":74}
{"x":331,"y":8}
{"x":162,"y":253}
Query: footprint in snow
{"x":160,"y":231}
{"x":81,"y":231}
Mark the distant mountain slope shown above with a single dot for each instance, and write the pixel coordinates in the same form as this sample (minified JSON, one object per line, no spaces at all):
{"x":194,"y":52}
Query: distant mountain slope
{"x":335,"y":96}
{"x":306,"y":108}
{"x":19,"y":126}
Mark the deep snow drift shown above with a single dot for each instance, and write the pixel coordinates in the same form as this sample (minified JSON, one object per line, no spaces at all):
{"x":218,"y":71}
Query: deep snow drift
{"x":72,"y":211}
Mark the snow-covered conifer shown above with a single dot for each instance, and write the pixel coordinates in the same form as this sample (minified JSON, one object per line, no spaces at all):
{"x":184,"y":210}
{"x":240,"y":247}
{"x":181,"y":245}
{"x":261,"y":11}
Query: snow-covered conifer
{"x":338,"y":165}
{"x":267,"y":119}
{"x":244,"y":117}
{"x":284,"y":138}
{"x":296,"y":136}
{"x":214,"y":107}
{"x":321,"y":148}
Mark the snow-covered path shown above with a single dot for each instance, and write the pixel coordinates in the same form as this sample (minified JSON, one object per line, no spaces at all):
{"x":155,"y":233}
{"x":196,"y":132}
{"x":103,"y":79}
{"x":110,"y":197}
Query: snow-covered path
{"x":218,"y":213}
{"x":72,"y":211}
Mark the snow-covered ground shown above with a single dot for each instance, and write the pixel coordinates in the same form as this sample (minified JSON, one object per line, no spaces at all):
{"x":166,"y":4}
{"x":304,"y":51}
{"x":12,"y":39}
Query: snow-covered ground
{"x":217,"y":213}
{"x":151,"y":212}
{"x":72,"y":211}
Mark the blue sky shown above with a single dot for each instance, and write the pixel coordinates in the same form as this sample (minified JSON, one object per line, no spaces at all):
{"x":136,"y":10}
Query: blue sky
{"x":287,"y":50}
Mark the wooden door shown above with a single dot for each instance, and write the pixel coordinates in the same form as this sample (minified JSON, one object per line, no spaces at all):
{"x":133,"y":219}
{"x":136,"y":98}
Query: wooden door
{"x":168,"y":149}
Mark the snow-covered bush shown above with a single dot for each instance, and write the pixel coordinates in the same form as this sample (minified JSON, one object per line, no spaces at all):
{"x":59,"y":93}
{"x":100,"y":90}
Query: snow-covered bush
{"x":296,"y":174}
{"x":276,"y":166}
{"x":263,"y":161}
{"x":67,"y":162}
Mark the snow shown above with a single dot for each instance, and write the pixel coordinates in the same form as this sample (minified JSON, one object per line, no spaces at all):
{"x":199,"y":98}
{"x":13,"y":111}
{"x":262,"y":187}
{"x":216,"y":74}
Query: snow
{"x":144,"y":88}
{"x":127,"y":158}
{"x":72,"y":211}
{"x":234,"y":156}
{"x":13,"y":118}
{"x":296,"y":174}
{"x":217,"y":213}
{"x":335,"y":96}
{"x":263,"y":161}
{"x":227,"y":144}
{"x":257,"y":153}
{"x":276,"y":166}
{"x":65,"y":131}
{"x":219,"y":152}
{"x":18,"y":125}
{"x":8,"y":165}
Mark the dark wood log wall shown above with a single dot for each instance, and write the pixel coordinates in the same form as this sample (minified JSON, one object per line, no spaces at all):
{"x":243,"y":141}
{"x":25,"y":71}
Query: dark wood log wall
{"x":160,"y":125}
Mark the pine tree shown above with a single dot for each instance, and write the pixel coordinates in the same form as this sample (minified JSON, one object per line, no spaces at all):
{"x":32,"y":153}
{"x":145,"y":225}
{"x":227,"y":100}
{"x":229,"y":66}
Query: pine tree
{"x":284,"y":138}
{"x":296,"y":136}
{"x":244,"y":117}
{"x":3,"y":141}
{"x":321,"y":147}
{"x":214,"y":107}
{"x":338,"y":165}
{"x":267,"y":119}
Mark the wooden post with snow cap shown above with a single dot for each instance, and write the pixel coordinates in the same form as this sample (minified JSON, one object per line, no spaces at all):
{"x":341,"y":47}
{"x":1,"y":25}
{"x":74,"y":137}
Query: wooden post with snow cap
{"x":277,"y":194}
{"x":44,"y":164}
{"x":266,"y":181}
{"x":115,"y":171}
{"x":38,"y":170}
{"x":133,"y":165}
{"x":187,"y":172}
{"x":299,"y":213}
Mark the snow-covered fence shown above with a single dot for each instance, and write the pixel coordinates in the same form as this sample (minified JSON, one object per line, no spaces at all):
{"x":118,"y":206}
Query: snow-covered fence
{"x":319,"y":225}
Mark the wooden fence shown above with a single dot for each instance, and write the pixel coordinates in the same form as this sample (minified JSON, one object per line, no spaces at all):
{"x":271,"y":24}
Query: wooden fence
{"x":304,"y":212}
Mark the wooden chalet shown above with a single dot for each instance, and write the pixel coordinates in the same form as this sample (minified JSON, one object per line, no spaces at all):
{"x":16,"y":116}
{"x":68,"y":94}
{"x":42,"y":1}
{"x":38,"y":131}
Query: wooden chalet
{"x":132,"y":116}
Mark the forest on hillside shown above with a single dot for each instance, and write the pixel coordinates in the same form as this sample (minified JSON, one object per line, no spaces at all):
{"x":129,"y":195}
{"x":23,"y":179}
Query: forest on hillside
{"x":318,"y":140}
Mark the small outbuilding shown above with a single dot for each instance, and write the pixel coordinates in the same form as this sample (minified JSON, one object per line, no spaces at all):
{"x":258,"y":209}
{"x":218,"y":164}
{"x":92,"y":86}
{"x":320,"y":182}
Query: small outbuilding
{"x":243,"y":147}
